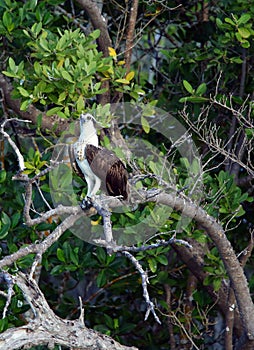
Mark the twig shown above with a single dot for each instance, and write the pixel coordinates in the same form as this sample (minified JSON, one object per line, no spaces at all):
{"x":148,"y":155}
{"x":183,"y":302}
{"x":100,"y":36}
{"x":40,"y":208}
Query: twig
{"x":70,"y":16}
{"x":36,"y":262}
{"x":12,"y":143}
{"x":6,"y":277}
{"x":143,"y":248}
{"x":145,"y":281}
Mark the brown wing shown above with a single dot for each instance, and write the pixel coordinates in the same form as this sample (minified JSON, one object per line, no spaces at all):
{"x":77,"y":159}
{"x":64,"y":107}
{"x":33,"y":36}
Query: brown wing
{"x":109,"y":168}
{"x":117,"y":180}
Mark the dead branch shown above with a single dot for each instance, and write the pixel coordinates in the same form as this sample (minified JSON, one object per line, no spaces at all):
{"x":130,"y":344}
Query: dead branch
{"x":46,"y":328}
{"x":145,"y":281}
{"x":12,"y":143}
{"x":209,"y":135}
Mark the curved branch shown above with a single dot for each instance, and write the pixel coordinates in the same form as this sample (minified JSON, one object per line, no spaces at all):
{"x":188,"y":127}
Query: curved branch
{"x":216,"y":233}
{"x":228,"y":256}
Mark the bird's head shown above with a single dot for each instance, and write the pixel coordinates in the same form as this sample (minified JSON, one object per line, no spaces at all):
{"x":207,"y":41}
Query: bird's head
{"x":86,"y":119}
{"x":87,"y":129}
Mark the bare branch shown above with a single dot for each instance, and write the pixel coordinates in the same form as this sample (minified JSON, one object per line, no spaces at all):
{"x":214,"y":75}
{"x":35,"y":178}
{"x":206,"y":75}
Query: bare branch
{"x":12,"y":143}
{"x":209,"y":135}
{"x":130,"y":34}
{"x":47,"y":328}
{"x":145,"y":281}
{"x":6,"y":277}
{"x":70,"y":16}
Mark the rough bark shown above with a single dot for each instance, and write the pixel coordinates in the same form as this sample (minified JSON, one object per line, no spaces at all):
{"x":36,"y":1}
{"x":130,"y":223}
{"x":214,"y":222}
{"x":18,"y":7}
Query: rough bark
{"x":46,"y":328}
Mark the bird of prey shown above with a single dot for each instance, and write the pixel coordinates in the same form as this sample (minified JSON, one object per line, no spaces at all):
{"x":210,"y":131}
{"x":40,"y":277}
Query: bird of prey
{"x":100,"y":166}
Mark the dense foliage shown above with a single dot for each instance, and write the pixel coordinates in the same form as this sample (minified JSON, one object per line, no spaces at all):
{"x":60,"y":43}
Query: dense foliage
{"x":196,"y":58}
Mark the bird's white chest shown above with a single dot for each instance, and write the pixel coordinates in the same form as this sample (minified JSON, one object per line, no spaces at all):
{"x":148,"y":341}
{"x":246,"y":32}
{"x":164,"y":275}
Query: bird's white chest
{"x":79,"y":150}
{"x":85,"y":167}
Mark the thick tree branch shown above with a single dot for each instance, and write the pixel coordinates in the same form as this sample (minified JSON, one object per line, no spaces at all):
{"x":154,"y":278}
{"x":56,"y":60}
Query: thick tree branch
{"x":32,"y":113}
{"x":130,"y":34}
{"x":195,"y":263}
{"x":228,"y":256}
{"x":98,"y":22}
{"x":47,"y":328}
{"x":104,"y":41}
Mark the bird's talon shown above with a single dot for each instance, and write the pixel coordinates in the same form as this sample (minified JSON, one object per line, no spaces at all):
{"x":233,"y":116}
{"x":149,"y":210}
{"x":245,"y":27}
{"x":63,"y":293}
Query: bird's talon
{"x":86,"y":203}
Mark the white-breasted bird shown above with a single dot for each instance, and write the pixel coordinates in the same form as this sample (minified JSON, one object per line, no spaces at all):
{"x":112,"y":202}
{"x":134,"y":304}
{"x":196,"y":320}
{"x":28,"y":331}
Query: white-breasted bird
{"x":100,"y":166}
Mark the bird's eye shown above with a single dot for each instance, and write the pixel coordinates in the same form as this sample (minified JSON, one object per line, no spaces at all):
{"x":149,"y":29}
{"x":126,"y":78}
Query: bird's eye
{"x":89,"y":117}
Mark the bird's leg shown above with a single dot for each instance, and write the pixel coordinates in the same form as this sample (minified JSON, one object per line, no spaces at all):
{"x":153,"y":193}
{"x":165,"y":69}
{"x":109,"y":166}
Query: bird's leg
{"x":87,"y":201}
{"x":96,"y":185}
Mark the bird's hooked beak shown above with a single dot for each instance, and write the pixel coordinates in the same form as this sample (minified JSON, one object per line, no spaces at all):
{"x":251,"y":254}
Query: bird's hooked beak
{"x":85,"y":118}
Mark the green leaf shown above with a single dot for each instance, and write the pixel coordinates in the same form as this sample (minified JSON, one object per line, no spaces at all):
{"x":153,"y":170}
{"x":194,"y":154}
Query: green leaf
{"x":194,"y":99}
{"x":249,"y":133}
{"x":101,"y":279}
{"x":60,"y":255}
{"x":201,"y":89}
{"x":145,"y":124}
{"x":7,"y":21}
{"x":25,"y":104}
{"x":44,"y":44}
{"x":244,"y":32}
{"x":67,"y":76}
{"x":23,"y":92}
{"x":2,"y":175}
{"x":162,"y":259}
{"x":9,"y":74}
{"x":152,"y":264}
{"x":219,"y":23}
{"x":109,"y":321}
{"x":229,"y":20}
{"x":245,"y":44}
{"x":95,"y":34}
{"x":5,"y":224}
{"x":80,"y":104}
{"x":130,"y":76}
{"x":15,"y":219}
{"x":53,"y":111}
{"x":217,"y":284}
{"x":12,"y":65}
{"x":188,"y":87}
{"x":3,"y":324}
{"x":74,"y":256}
{"x":185,"y":162}
{"x":101,"y":255}
{"x":237,"y":60}
{"x":244,"y":18}
{"x":39,"y":121}
{"x":122,"y":81}
{"x":37,"y":68}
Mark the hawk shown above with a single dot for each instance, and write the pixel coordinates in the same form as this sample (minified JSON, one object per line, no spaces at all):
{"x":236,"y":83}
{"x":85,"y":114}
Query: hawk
{"x":100,"y":167}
